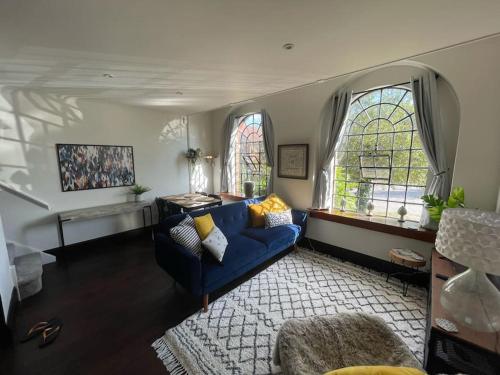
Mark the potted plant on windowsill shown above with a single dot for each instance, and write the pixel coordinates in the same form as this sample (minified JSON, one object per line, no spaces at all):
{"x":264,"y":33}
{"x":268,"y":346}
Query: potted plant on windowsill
{"x":435,"y":205}
{"x":138,"y":190}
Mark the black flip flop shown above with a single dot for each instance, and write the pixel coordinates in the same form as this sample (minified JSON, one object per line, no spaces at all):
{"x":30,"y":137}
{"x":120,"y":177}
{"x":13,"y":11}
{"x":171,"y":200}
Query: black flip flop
{"x":49,"y":335}
{"x":38,"y":328}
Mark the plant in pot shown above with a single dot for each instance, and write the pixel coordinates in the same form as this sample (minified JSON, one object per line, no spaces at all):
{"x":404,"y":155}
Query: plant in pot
{"x":435,"y":205}
{"x":138,"y":190}
{"x":193,"y":155}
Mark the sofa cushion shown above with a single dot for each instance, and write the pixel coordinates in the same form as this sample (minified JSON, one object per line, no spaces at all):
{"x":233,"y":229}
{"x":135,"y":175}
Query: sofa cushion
{"x":275,"y":219}
{"x":229,"y":218}
{"x":272,"y":203}
{"x":284,"y":235}
{"x":240,"y":251}
{"x":216,"y":243}
{"x":185,"y":234}
{"x":204,"y":225}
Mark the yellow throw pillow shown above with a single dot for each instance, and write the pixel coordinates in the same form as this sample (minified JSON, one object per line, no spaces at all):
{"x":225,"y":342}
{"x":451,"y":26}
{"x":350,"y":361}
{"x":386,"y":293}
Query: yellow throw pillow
{"x":272,"y":203}
{"x":204,"y":225}
{"x":376,"y":370}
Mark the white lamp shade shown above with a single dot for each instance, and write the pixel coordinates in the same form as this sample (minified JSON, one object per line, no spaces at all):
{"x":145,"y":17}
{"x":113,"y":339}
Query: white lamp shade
{"x":470,"y":237}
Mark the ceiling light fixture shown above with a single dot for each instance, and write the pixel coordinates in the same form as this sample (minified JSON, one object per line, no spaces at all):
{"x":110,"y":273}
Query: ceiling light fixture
{"x":288,"y":46}
{"x":108,"y":75}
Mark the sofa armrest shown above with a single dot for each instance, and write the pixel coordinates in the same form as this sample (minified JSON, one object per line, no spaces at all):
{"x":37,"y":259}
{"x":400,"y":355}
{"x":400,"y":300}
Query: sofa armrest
{"x":179,"y":262}
{"x":299,"y":217}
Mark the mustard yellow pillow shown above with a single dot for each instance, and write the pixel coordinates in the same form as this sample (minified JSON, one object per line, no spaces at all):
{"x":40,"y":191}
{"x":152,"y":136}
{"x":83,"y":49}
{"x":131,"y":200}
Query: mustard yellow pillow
{"x":376,"y":370}
{"x":272,"y":203}
{"x":204,"y":225}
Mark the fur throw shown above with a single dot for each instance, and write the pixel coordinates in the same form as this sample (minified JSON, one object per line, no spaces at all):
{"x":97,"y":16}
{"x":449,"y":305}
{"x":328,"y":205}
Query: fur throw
{"x":320,"y":344}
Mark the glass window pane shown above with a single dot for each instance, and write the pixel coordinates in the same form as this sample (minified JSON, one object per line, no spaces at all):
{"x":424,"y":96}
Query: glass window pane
{"x":403,"y":125}
{"x":356,"y":129}
{"x":417,"y":143}
{"x":385,"y":141}
{"x":380,"y":191}
{"x":354,"y":143}
{"x":418,"y":159}
{"x":362,"y":118}
{"x":392,"y":95}
{"x":353,"y":173}
{"x":372,"y":127}
{"x":397,"y":193}
{"x":353,"y":159}
{"x":399,"y":176}
{"x":364,"y":195}
{"x":372,"y":111}
{"x":392,"y":209}
{"x":414,"y":212}
{"x":400,"y":158}
{"x":340,"y":158}
{"x":369,"y":142}
{"x":402,"y":141}
{"x":371,"y":98}
{"x":351,"y":203}
{"x":386,"y":110}
{"x":354,"y":110}
{"x":398,"y":115}
{"x":407,"y":103}
{"x":385,"y":126}
{"x":380,"y":207}
{"x":418,"y":177}
{"x":414,"y":194}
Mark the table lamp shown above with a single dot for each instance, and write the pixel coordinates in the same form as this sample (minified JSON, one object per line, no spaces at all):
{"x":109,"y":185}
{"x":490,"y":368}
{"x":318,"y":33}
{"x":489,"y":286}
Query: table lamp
{"x":471,"y":238}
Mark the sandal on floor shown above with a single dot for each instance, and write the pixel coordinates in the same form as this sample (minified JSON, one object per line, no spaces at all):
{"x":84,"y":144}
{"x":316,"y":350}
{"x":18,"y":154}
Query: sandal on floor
{"x":38,"y":328}
{"x":49,"y":335}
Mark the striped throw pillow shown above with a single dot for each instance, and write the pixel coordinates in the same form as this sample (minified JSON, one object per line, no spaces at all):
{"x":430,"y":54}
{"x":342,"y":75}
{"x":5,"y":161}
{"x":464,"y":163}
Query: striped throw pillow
{"x":185,"y":234}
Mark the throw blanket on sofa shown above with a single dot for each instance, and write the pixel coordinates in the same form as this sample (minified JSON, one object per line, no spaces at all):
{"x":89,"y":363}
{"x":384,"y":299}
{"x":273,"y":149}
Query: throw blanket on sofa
{"x":320,"y":344}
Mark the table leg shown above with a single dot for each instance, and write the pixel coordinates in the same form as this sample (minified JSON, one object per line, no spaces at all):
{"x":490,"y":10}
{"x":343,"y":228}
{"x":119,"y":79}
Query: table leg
{"x":61,"y":232}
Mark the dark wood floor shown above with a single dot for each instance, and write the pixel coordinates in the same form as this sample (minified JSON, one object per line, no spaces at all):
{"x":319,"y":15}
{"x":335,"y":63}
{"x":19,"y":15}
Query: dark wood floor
{"x":114,"y":301}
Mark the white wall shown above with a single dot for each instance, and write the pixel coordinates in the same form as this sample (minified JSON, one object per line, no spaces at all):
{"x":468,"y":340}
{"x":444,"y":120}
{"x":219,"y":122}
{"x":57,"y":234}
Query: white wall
{"x":200,"y":136}
{"x":470,"y":72}
{"x":32,"y":122}
{"x":6,"y":284}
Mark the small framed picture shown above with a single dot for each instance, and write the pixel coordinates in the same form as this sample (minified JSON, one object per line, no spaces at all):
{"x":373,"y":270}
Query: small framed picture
{"x":293,"y":161}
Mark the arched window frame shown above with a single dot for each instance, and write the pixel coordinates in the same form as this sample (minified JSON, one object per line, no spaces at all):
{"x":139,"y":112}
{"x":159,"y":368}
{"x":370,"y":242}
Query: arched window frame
{"x":403,"y":162}
{"x":248,"y":158}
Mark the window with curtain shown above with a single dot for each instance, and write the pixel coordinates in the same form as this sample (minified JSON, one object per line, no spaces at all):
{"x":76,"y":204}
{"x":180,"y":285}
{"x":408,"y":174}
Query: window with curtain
{"x":248,"y":157}
{"x":380,"y":156}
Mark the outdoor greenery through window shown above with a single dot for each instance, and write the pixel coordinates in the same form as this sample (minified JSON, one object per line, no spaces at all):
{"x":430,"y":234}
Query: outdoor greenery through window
{"x":380,"y":157}
{"x":250,"y":162}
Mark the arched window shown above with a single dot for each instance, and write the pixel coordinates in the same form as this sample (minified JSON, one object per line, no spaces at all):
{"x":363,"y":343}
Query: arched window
{"x":249,"y":160}
{"x":380,"y":156}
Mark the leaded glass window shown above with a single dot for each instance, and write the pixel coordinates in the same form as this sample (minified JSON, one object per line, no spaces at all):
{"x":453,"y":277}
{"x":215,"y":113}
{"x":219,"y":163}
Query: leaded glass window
{"x":250,"y":162}
{"x":380,"y":157}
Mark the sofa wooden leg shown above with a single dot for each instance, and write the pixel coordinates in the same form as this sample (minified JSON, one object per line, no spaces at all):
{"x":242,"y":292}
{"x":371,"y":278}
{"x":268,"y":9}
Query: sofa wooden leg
{"x":205,"y":302}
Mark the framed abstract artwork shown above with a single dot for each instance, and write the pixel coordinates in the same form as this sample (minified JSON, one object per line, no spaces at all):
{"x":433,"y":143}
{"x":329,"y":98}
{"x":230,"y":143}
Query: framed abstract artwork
{"x":85,"y":167}
{"x":293,"y":161}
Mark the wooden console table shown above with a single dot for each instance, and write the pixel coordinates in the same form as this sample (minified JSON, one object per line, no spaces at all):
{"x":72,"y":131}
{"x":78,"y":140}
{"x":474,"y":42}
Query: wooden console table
{"x":101,"y":211}
{"x":466,"y":351}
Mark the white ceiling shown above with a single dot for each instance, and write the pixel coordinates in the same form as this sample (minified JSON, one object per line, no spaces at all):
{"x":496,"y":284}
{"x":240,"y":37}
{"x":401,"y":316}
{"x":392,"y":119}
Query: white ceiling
{"x":218,"y":52}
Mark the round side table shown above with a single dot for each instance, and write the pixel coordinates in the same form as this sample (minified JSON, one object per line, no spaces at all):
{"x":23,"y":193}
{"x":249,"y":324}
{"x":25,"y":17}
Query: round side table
{"x":413,"y":264}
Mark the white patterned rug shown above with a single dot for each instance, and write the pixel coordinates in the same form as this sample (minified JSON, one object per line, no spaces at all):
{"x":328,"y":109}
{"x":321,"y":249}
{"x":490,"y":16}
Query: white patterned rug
{"x":237,"y":334}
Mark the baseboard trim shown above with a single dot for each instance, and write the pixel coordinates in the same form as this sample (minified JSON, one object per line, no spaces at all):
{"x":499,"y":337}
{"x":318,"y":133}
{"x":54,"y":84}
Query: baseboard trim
{"x":58,"y":251}
{"x":367,"y":261}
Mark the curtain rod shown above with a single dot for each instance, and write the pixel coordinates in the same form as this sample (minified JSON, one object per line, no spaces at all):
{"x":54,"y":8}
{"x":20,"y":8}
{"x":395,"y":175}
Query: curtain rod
{"x":384,"y":87}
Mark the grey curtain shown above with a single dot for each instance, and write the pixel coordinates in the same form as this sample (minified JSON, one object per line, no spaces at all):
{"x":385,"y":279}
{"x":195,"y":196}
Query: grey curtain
{"x":227,"y":132}
{"x":332,"y":120}
{"x":425,"y":99}
{"x":268,"y":135}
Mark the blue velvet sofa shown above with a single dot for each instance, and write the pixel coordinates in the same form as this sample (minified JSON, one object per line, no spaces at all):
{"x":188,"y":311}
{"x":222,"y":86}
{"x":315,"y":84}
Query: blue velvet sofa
{"x":247,"y":248}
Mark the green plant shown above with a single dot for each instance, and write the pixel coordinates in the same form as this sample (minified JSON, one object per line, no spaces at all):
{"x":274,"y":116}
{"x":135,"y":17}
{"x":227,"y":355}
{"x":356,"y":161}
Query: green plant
{"x":193,"y":155}
{"x":139,"y":189}
{"x":436,"y":205}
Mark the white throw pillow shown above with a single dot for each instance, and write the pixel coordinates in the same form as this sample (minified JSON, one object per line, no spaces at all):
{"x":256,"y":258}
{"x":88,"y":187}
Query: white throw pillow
{"x":185,"y":234}
{"x":216,"y":243}
{"x":275,"y":219}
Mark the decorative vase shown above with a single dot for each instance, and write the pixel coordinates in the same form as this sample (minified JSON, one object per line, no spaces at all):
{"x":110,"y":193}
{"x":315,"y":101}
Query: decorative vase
{"x":137,"y":197}
{"x":402,"y":211}
{"x":343,"y":203}
{"x":248,"y":187}
{"x":370,"y":207}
